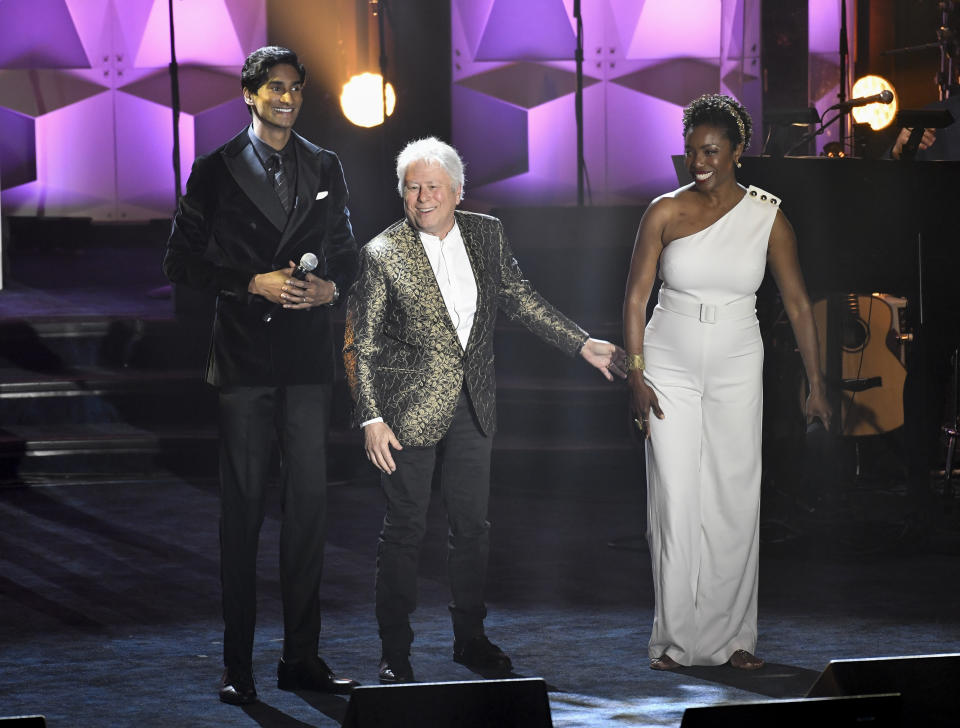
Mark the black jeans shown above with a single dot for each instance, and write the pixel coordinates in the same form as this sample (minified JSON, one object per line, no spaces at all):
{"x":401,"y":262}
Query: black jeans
{"x":464,"y":457}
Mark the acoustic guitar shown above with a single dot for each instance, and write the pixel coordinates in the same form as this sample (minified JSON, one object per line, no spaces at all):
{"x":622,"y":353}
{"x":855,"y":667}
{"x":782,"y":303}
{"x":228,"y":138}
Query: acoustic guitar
{"x":861,"y":353}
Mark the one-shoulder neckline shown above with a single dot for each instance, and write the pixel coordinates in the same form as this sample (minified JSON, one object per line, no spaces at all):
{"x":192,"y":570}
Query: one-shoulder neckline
{"x":715,"y":222}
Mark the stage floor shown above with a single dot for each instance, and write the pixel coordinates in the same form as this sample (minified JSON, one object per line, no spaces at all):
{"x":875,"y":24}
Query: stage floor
{"x":109,"y":598}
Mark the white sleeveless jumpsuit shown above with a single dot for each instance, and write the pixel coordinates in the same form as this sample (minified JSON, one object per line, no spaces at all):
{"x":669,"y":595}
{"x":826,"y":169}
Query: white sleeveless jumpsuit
{"x":704,"y":360}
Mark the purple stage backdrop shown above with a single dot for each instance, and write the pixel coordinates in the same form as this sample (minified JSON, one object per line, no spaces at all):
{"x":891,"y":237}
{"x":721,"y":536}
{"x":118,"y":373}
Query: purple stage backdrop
{"x":86,"y":127}
{"x":514,"y":86}
{"x":86,"y":124}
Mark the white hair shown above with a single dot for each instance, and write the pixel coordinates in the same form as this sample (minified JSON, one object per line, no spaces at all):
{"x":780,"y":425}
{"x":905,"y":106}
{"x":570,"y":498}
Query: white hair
{"x":431,"y":150}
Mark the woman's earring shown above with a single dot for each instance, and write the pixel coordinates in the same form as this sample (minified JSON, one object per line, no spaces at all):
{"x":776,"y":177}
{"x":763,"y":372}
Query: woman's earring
{"x":738,"y":164}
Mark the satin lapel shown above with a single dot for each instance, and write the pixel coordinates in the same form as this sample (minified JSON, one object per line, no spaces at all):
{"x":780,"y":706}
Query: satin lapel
{"x":420,"y":269}
{"x":308,"y":183}
{"x":474,"y":243}
{"x":249,"y":174}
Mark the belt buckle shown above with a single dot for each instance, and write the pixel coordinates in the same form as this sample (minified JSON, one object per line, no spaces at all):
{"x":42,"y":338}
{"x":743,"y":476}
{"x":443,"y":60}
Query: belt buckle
{"x":708,"y":313}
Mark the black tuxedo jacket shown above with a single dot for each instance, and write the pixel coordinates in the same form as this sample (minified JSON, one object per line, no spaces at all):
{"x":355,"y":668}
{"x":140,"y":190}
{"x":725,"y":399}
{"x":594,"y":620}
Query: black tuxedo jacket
{"x":229,"y":226}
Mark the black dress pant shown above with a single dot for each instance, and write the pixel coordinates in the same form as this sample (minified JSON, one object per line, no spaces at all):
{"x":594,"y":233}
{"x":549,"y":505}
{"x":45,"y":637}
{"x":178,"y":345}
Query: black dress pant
{"x":464,"y":458}
{"x":251,"y":419}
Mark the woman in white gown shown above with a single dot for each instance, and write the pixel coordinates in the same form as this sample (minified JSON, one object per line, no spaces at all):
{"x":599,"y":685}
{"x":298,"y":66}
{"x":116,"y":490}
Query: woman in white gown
{"x":696,"y":388}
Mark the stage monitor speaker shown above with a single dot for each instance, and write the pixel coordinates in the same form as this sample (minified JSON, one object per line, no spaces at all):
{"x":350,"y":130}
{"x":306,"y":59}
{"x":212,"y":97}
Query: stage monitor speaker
{"x":24,"y":721}
{"x":517,"y":703}
{"x":876,"y":711}
{"x":928,"y":684}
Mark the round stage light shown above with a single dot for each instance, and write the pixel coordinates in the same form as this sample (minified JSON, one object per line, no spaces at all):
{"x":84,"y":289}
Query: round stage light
{"x":878,"y":116}
{"x":362,"y":99}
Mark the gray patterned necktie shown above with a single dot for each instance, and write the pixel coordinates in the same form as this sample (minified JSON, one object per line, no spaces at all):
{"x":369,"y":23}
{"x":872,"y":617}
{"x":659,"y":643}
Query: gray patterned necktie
{"x":281,"y":184}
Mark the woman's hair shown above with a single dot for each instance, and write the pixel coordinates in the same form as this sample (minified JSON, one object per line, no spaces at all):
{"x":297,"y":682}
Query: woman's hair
{"x":431,"y":150}
{"x":723,"y":112}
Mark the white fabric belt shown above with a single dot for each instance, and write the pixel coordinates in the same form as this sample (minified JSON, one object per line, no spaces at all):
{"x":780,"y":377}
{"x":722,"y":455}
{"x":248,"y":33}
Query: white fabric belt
{"x":708,"y":313}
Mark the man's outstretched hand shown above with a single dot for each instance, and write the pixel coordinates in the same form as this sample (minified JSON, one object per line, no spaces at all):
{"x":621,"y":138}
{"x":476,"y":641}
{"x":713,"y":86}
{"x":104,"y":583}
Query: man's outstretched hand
{"x":608,"y":358}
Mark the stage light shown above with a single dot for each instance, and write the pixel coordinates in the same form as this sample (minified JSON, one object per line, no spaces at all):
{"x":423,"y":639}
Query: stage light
{"x":878,"y":116}
{"x":362,"y":99}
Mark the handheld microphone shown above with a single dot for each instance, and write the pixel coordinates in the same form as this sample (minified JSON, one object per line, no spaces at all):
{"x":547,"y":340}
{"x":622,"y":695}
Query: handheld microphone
{"x":884,"y":97}
{"x":308,"y":262}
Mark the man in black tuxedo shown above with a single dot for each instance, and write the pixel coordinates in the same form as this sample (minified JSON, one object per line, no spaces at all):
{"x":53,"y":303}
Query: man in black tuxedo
{"x":252,"y":208}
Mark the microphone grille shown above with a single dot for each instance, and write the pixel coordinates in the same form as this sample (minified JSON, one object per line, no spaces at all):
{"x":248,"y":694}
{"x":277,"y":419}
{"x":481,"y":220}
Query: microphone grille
{"x":886,"y":96}
{"x":308,"y":261}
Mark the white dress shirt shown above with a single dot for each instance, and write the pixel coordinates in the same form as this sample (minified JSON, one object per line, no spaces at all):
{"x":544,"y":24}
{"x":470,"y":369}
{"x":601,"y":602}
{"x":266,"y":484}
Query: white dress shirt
{"x":451,"y":267}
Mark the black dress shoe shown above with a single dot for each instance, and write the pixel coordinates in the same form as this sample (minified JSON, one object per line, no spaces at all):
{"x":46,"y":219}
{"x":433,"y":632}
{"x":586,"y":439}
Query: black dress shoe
{"x":236,"y":687}
{"x":395,"y":670}
{"x":481,"y":654}
{"x":312,"y":674}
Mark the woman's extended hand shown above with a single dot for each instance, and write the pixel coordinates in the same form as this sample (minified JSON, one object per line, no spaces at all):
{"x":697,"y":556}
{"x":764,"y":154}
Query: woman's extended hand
{"x":643,"y":402}
{"x":818,"y":407}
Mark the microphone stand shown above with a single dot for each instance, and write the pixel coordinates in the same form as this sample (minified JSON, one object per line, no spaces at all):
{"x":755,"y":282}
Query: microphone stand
{"x":174,"y":103}
{"x":812,"y":135}
{"x":380,"y":9}
{"x":166,"y":291}
{"x":844,"y":55}
{"x":578,"y":102}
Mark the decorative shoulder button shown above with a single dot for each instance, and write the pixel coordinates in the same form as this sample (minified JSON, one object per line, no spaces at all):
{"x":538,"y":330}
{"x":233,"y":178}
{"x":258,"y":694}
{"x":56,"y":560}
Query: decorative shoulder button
{"x":753,"y":193}
{"x":763,"y":197}
{"x":773,"y":200}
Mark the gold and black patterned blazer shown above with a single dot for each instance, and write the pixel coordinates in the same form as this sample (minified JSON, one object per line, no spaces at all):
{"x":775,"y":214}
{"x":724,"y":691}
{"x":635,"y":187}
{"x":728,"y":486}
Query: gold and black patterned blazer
{"x":403,"y":358}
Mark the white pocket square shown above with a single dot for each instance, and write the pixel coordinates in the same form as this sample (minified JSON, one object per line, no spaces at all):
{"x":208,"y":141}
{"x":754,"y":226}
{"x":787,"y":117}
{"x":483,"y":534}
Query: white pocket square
{"x":321,"y":195}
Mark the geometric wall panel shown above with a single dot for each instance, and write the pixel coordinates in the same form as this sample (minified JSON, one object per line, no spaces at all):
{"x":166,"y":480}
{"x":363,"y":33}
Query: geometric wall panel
{"x":637,"y":125}
{"x":76,"y":159}
{"x":737,"y":77}
{"x":667,"y":28}
{"x":526,"y":84}
{"x":550,"y":158}
{"x":213,"y":127}
{"x":622,"y":25}
{"x":739,"y":53}
{"x":643,"y":61}
{"x":39,"y":34}
{"x":676,"y":80}
{"x":18,"y":162}
{"x":553,"y":141}
{"x":148,"y":144}
{"x":94,"y":77}
{"x":200,"y":88}
{"x":530,"y":30}
{"x":494,"y":133}
{"x":474,"y":14}
{"x":37,"y":92}
{"x":249,"y":23}
{"x":205,"y":35}
{"x":823,"y":19}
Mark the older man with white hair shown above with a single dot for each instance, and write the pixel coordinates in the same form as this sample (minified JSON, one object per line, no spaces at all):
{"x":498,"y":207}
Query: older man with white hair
{"x":419,"y":357}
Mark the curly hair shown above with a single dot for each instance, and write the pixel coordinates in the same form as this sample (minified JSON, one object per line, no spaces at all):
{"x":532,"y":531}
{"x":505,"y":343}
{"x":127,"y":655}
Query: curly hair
{"x":723,"y":112}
